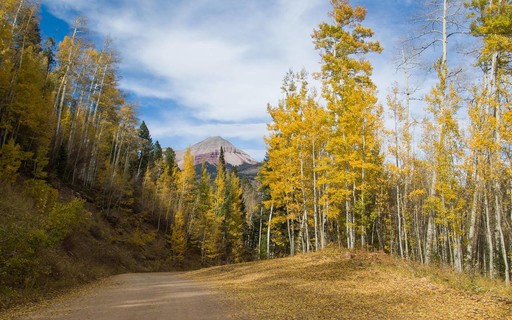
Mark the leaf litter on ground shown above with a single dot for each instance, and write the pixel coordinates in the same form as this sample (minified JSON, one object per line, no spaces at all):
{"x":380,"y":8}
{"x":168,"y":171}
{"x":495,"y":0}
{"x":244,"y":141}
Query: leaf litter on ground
{"x":342,"y":284}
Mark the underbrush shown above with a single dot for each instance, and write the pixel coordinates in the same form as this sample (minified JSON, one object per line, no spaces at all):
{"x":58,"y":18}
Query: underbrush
{"x":469,"y":282}
{"x":50,"y":243}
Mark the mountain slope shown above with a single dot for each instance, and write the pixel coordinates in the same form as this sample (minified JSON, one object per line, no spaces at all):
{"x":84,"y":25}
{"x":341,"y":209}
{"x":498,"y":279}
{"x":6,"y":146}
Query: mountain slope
{"x":208,"y":151}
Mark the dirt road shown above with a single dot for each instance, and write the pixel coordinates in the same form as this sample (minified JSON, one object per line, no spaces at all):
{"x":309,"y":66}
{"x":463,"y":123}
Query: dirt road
{"x":140,"y":296}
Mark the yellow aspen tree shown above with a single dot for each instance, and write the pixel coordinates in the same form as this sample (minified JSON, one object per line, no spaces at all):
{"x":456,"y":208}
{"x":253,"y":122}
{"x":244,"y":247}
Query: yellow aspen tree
{"x":201,"y":224}
{"x":68,"y":54}
{"x":355,"y":116}
{"x":178,"y":239}
{"x":442,"y":142}
{"x":186,"y":183}
{"x":398,"y":148}
{"x":493,"y":24}
{"x":215,"y":243}
{"x":267,"y":204}
{"x":114,"y":174}
{"x":187,"y":191}
{"x":235,"y":219}
{"x":25,"y":93}
{"x":164,"y":197}
{"x":298,"y":135}
{"x":11,"y":157}
{"x":31,"y":111}
{"x":7,"y":66}
{"x":445,"y":202}
{"x":480,"y":142}
{"x":314,"y":135}
{"x":184,"y":208}
{"x":302,"y":105}
{"x":283,"y":174}
{"x":148,"y":194}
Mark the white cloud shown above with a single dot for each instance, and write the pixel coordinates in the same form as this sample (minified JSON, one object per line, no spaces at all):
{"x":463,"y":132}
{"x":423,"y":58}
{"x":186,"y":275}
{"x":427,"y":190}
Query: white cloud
{"x":182,"y":128}
{"x":220,"y":62}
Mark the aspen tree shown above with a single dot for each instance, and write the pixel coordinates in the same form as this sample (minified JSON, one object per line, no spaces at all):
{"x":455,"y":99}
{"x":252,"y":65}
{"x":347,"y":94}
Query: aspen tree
{"x":215,"y":244}
{"x":492,"y":24}
{"x":267,"y":204}
{"x":165,"y":195}
{"x":25,"y":93}
{"x":315,"y":124}
{"x":31,"y":111}
{"x":399,"y":144}
{"x":186,"y":191}
{"x":284,"y":176}
{"x":442,"y":142}
{"x":355,"y":117}
{"x":186,"y":181}
{"x":299,"y":132}
{"x":445,"y":201}
{"x":67,"y":55}
{"x":235,"y":219}
{"x":178,"y":239}
{"x":202,"y":222}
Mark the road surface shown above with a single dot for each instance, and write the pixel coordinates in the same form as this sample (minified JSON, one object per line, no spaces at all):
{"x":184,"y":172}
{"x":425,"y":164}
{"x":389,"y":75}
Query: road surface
{"x":148,"y":296}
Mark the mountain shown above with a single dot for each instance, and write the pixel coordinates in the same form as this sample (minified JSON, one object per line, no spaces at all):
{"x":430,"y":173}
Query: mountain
{"x":208,"y":151}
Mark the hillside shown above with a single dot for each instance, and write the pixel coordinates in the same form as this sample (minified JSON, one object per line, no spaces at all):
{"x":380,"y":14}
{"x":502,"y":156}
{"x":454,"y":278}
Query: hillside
{"x":246,"y":170}
{"x":45,"y":253}
{"x":337,"y":284}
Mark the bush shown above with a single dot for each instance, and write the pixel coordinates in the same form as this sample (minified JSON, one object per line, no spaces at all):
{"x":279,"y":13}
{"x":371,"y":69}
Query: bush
{"x":33,"y":227}
{"x":63,"y":220}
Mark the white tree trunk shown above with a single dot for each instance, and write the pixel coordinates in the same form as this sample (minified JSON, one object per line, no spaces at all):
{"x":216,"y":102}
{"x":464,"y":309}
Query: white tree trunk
{"x":268,"y":230}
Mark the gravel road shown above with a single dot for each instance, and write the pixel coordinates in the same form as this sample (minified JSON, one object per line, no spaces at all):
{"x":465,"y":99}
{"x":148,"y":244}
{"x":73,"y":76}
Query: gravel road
{"x":139,"y":296}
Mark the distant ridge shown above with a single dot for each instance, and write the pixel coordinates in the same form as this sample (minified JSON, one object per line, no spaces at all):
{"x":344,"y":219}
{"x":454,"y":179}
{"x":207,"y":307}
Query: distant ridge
{"x":208,"y":151}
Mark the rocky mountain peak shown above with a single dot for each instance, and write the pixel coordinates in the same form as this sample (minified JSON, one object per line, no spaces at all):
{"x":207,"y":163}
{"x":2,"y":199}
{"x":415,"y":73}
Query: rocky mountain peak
{"x":208,"y":150}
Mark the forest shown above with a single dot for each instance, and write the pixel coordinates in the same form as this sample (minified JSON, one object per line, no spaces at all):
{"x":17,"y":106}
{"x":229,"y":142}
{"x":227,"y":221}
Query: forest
{"x":75,"y":158}
{"x":79,"y":169}
{"x":335,"y":174}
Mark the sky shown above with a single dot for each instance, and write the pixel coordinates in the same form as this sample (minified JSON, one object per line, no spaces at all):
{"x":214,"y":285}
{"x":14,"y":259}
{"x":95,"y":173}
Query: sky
{"x":203,"y":68}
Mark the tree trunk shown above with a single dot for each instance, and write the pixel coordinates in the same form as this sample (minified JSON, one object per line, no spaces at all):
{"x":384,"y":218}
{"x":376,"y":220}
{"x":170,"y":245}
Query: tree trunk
{"x":259,"y":233}
{"x":490,"y":244}
{"x":315,"y":201}
{"x":268,"y":230}
{"x":399,"y":218}
{"x":305,"y":226}
{"x":502,"y":236}
{"x":472,"y":224}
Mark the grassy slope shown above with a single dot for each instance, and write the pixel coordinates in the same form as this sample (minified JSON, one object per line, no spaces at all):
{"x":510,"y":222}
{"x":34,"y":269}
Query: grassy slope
{"x":336,"y":284}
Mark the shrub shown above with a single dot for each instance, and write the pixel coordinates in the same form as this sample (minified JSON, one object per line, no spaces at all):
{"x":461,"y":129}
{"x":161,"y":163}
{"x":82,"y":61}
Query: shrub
{"x":63,"y":220}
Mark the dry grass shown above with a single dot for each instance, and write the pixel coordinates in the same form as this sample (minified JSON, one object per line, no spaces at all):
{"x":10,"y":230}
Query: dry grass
{"x":336,"y":284}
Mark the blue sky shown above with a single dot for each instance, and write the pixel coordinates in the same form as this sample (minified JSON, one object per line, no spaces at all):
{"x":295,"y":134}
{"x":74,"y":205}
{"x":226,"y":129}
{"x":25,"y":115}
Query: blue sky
{"x":205,"y":68}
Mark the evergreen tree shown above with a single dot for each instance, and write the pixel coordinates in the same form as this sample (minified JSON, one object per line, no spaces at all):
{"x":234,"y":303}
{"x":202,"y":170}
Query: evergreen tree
{"x":144,"y":150}
{"x":221,"y":161}
{"x":170,"y":160}
{"x":156,"y":153}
